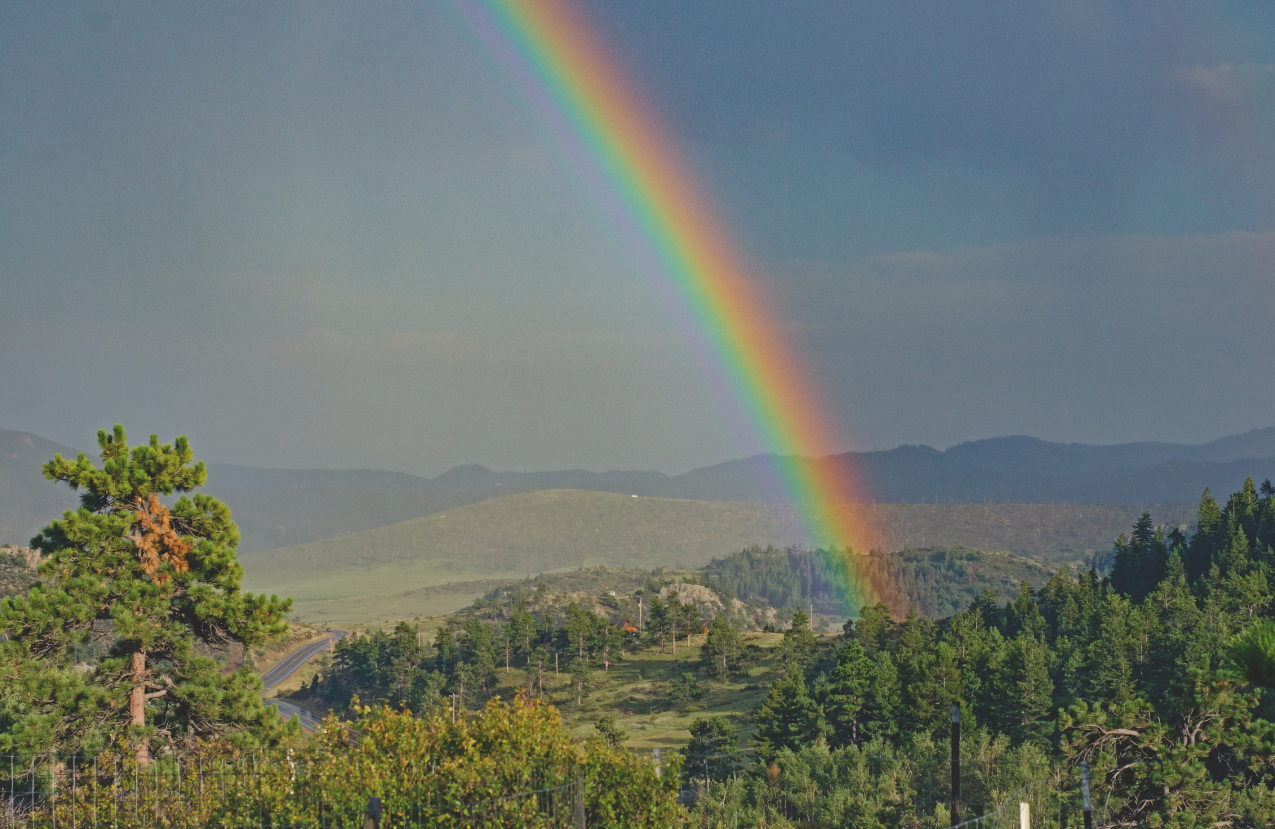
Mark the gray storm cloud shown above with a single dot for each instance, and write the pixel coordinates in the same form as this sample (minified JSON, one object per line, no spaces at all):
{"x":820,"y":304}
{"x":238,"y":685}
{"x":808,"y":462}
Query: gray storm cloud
{"x":333,"y":235}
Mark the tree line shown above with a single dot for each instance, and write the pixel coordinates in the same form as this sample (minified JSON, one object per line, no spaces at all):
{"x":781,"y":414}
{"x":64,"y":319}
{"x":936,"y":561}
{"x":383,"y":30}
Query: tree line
{"x":1129,"y":673}
{"x":526,"y":632}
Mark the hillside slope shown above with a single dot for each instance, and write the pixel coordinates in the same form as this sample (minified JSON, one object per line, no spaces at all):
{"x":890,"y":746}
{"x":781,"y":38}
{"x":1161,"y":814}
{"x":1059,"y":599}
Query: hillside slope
{"x":555,"y":530}
{"x":534,"y":532}
{"x":27,"y":501}
{"x":273,"y":518}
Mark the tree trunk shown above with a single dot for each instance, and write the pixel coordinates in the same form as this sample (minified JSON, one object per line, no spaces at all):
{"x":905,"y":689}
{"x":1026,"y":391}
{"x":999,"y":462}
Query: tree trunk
{"x":137,"y":704}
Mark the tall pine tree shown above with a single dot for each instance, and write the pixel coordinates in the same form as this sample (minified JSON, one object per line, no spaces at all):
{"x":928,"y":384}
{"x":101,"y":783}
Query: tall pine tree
{"x":152,"y":581}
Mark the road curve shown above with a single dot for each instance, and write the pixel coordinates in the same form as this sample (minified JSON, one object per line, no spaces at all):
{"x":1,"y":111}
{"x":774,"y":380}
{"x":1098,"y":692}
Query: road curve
{"x":289,"y":666}
{"x":293,"y":661}
{"x":308,"y":721}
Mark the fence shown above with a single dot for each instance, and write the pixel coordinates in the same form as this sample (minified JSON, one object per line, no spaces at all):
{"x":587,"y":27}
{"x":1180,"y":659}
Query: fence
{"x":1054,"y":803}
{"x":260,"y":792}
{"x":913,"y":792}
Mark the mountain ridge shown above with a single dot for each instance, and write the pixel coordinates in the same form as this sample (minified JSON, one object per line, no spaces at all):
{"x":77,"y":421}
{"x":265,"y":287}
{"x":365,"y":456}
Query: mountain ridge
{"x":285,"y":507}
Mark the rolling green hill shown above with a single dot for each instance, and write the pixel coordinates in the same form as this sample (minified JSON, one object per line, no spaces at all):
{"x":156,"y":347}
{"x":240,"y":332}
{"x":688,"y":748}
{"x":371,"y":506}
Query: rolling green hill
{"x":283,"y":517}
{"x":406,"y":565}
{"x":524,"y":534}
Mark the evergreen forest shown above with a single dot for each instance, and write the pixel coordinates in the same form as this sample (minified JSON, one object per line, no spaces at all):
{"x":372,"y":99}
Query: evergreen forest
{"x":1138,"y":674}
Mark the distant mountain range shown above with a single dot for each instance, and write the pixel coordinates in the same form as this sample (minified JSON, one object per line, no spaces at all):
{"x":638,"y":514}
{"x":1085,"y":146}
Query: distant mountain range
{"x":282,"y":507}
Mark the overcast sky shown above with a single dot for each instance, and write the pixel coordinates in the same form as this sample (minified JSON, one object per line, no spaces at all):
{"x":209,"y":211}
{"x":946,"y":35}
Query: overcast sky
{"x":332,"y":235}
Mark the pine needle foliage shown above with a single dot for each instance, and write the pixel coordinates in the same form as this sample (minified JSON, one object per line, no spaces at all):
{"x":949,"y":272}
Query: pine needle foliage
{"x":1253,"y":653}
{"x":157,"y":588}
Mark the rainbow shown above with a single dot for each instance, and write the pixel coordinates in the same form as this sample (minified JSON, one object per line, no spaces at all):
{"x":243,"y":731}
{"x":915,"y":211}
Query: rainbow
{"x":561,"y":68}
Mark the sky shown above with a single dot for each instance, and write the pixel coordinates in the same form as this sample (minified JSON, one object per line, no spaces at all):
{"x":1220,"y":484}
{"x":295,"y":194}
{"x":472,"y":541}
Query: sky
{"x":334,"y":235}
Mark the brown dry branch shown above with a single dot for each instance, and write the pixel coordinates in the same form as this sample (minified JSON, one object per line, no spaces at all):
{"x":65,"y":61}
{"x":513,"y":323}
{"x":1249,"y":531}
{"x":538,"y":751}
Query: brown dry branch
{"x":157,"y":540}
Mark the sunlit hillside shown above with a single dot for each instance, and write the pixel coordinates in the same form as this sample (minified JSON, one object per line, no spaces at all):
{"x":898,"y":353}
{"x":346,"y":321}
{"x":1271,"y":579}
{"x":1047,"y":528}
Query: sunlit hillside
{"x":523,"y":534}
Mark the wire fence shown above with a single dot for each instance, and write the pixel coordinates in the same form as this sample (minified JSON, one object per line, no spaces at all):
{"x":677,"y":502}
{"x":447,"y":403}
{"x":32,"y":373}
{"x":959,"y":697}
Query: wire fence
{"x":1053,"y":802}
{"x":288,"y":791}
{"x":908,"y":791}
{"x":261,"y":792}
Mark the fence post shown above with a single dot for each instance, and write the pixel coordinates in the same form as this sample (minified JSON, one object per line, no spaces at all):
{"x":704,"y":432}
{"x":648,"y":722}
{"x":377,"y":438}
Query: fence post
{"x":1084,"y":795}
{"x":956,"y":763}
{"x":372,"y":818}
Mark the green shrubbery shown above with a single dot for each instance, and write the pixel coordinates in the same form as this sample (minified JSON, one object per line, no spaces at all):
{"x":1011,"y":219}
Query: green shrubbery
{"x":484,"y":767}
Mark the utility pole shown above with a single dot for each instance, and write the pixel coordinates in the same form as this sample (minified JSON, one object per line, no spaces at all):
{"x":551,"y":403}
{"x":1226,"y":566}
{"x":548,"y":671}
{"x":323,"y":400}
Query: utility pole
{"x":956,"y":763}
{"x":640,"y":627}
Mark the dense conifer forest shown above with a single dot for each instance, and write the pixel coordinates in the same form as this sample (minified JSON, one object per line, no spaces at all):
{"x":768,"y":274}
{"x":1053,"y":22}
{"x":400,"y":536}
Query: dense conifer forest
{"x":1128,"y":672}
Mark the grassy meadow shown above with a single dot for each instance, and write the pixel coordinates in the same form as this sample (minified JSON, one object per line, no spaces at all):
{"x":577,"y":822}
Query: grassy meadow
{"x":524,"y":534}
{"x":438,"y":563}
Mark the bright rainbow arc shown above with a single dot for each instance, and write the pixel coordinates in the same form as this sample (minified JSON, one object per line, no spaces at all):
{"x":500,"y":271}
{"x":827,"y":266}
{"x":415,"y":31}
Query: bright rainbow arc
{"x":560,"y":67}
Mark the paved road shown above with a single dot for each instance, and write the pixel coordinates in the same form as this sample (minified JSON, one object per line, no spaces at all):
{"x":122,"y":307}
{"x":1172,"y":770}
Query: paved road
{"x":289,"y":666}
{"x":293,"y":661}
{"x":308,"y":721}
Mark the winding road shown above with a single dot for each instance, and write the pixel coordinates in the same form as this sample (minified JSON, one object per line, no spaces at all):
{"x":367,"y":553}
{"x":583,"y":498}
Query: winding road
{"x":289,"y":666}
{"x":287,"y":710}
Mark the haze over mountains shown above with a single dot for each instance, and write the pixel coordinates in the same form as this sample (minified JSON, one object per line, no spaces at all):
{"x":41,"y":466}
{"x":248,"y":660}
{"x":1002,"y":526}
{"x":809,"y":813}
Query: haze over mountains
{"x":282,"y":507}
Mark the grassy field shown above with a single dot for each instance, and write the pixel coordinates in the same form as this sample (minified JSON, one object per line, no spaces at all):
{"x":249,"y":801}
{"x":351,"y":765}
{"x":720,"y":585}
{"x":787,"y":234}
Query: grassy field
{"x":507,"y":537}
{"x":274,"y":518}
{"x":439,"y":563}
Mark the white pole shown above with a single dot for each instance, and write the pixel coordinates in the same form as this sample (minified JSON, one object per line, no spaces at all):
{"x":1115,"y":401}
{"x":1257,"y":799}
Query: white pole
{"x":1024,"y":816}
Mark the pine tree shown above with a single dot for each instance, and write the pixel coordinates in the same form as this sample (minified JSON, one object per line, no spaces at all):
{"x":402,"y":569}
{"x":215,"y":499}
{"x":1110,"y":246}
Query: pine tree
{"x":873,"y":628}
{"x":1114,"y":651}
{"x":885,"y":696}
{"x":1023,"y":614}
{"x":448,"y":652}
{"x":658,"y":621}
{"x":1031,"y":689}
{"x":1209,"y":526}
{"x":846,"y":693}
{"x":789,"y":718}
{"x":721,"y":650}
{"x":1177,"y":645}
{"x":1265,"y":541}
{"x":800,"y":643}
{"x":478,"y":652}
{"x":1244,"y":509}
{"x":1157,"y":560}
{"x":1124,"y":567}
{"x":522,"y":631}
{"x":581,"y":678}
{"x":154,"y":580}
{"x":710,"y":748}
{"x":578,"y":629}
{"x":673,"y":622}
